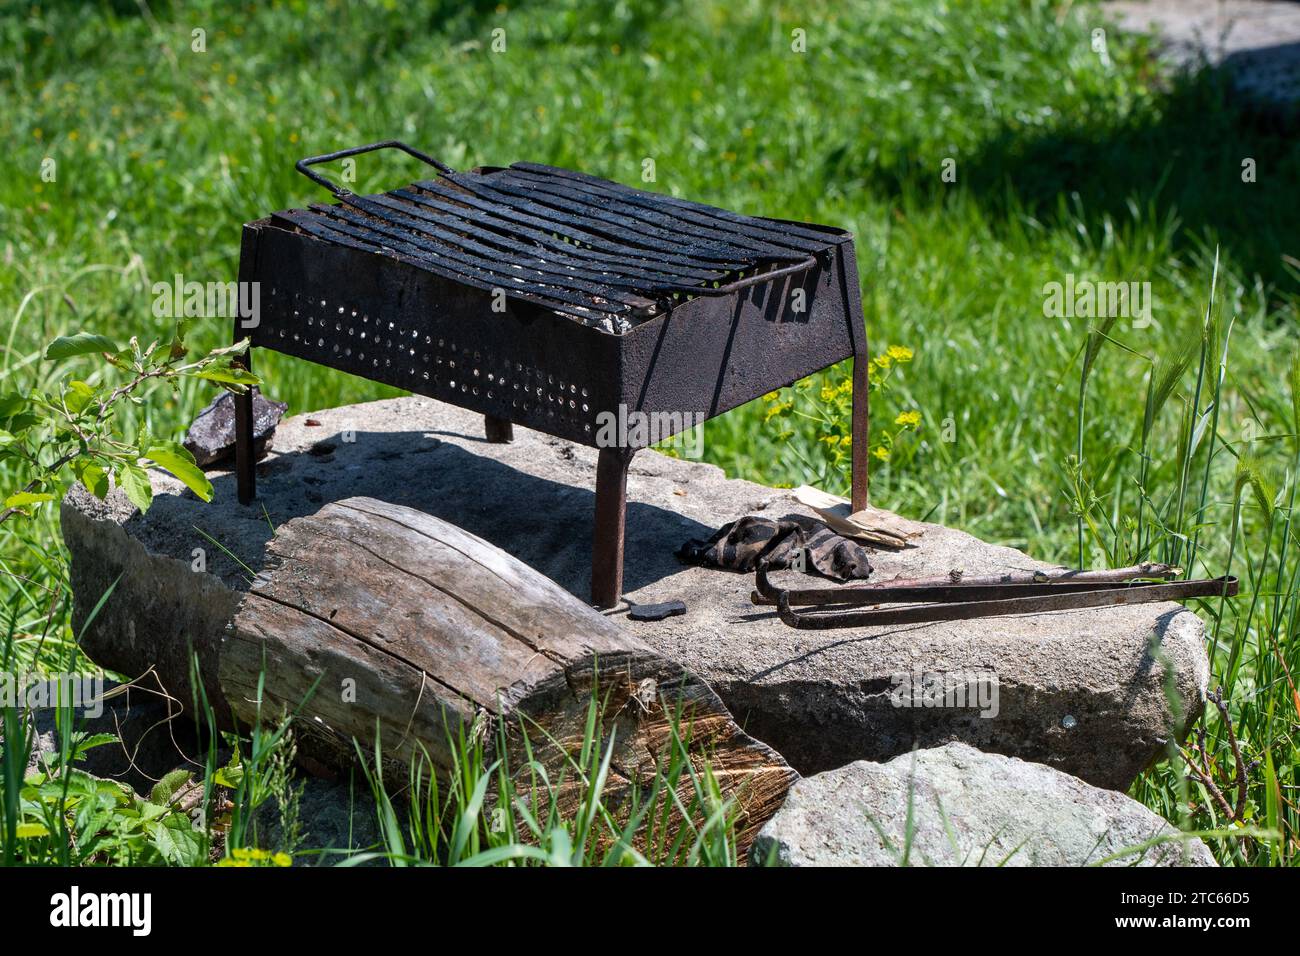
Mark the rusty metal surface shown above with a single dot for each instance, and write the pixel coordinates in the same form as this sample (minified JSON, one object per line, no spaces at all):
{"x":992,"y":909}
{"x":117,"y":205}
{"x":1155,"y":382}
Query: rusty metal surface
{"x":596,"y":251}
{"x":557,"y":301}
{"x":927,"y":602}
{"x":396,"y":319}
{"x":608,"y":529}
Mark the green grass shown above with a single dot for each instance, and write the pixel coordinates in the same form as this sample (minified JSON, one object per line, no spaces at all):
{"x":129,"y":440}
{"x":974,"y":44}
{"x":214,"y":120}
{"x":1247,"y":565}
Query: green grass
{"x":528,"y":800}
{"x":1065,"y":164}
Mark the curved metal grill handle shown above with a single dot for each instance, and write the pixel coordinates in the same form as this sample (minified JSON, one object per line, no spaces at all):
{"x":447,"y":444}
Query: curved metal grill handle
{"x":746,"y":282}
{"x":339,"y":191}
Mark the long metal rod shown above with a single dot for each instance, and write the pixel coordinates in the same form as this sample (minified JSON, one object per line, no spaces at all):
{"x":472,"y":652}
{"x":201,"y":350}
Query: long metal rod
{"x":956,"y":587}
{"x":1135,"y":593}
{"x":1045,"y":597}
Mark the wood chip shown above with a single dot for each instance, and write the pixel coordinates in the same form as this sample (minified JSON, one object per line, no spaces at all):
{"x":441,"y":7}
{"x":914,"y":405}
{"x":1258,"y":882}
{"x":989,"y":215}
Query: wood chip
{"x":870,"y":525}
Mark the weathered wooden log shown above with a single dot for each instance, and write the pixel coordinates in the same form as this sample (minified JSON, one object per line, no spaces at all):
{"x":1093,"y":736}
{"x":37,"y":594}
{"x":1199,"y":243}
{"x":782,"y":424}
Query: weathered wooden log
{"x":371,"y":617}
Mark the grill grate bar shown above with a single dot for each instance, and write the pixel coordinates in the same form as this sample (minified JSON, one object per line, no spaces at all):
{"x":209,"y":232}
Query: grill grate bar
{"x":791,"y":233}
{"x":668,"y":221}
{"x":580,"y":307}
{"x":635,"y":230}
{"x":442,"y":242}
{"x":566,"y":222}
{"x":599,"y":243}
{"x":496,"y":274}
{"x":316,"y":226}
{"x":474,"y":216}
{"x":620,"y":276}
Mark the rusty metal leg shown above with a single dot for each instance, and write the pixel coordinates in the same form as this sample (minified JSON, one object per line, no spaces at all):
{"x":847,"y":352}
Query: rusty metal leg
{"x":245,"y":465}
{"x":608,"y":531}
{"x":861,"y":447}
{"x":498,"y":430}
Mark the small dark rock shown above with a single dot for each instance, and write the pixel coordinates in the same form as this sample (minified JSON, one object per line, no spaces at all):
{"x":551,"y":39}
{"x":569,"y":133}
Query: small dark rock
{"x":337,"y":818}
{"x":656,"y":612}
{"x":211,"y":439}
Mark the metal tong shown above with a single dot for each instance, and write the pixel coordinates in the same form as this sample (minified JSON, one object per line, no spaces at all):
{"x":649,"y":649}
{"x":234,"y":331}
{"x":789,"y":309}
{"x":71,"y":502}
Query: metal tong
{"x":956,"y":598}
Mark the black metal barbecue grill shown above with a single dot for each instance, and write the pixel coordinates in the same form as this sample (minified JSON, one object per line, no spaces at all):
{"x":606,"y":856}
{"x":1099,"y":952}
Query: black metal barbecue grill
{"x":549,"y":298}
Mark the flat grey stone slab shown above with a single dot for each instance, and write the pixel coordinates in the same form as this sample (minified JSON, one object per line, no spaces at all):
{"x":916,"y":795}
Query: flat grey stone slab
{"x":1098,"y":693}
{"x":967,"y":808}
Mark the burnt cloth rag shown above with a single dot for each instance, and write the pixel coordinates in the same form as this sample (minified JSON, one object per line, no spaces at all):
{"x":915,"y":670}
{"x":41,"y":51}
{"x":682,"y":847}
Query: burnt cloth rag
{"x":752,"y":542}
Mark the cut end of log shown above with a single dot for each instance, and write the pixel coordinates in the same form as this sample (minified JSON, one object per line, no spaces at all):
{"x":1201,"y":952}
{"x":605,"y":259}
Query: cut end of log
{"x":662,"y":726}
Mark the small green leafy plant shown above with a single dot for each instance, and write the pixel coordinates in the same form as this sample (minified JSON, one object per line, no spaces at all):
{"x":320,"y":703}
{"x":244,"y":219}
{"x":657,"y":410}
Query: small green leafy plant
{"x":826,"y":401}
{"x":70,"y":818}
{"x":71,"y":433}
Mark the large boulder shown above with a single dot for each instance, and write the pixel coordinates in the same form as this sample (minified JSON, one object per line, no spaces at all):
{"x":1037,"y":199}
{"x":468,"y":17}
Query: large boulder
{"x":956,"y":806}
{"x":1097,"y":693}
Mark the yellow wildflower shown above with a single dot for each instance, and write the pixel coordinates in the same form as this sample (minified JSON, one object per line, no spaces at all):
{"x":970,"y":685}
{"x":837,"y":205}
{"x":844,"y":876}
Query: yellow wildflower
{"x":779,"y":408}
{"x":900,"y":353}
{"x":908,"y":419}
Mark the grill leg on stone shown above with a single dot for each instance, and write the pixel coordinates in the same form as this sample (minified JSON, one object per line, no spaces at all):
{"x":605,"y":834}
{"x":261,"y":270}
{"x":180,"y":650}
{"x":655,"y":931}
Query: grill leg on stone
{"x":245,"y":475}
{"x":610,"y":525}
{"x":499,"y":431}
{"x":861,"y":447}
